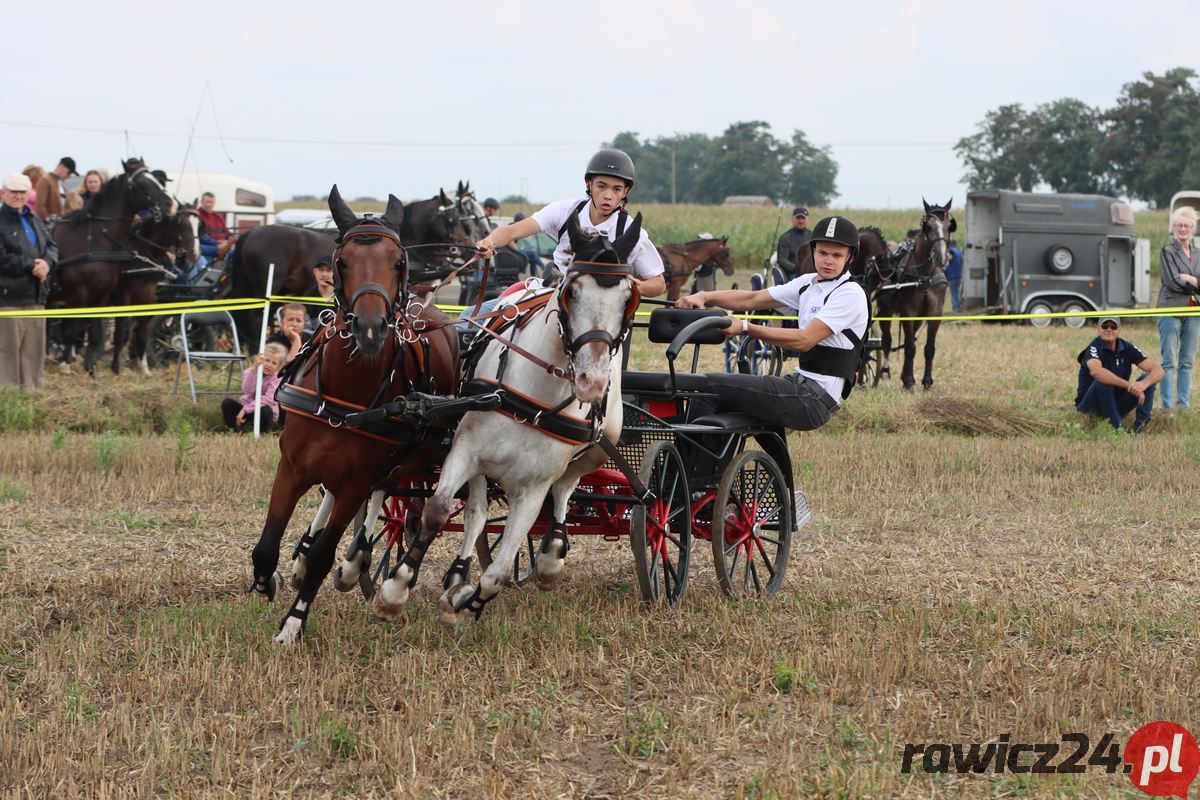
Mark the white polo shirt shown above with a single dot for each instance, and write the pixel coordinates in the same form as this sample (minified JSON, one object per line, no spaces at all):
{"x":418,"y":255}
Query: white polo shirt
{"x":840,"y":303}
{"x":644,"y":258}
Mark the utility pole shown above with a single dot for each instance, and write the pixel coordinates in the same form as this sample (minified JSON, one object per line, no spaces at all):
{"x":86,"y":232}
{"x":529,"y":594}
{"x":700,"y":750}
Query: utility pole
{"x":672,"y":173}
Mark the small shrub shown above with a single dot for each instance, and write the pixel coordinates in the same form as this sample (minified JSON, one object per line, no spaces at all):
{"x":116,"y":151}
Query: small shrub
{"x":59,"y":439}
{"x":108,"y":450}
{"x":10,"y":491}
{"x":18,"y":411}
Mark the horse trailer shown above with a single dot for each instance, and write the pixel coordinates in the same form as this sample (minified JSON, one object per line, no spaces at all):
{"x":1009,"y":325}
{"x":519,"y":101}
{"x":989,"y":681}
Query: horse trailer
{"x":1040,"y":253}
{"x":244,"y":203}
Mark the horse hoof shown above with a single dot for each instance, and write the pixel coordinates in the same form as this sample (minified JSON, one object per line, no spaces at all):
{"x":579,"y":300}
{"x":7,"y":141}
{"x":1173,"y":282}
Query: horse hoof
{"x":289,"y":633}
{"x":546,"y":578}
{"x":388,"y":609}
{"x":345,"y":577}
{"x":269,"y":595}
{"x":299,"y":570}
{"x":447,"y":612}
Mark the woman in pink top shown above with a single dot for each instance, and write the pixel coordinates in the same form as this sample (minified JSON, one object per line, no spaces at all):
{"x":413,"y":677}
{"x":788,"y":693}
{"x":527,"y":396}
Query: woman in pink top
{"x":239,"y":412}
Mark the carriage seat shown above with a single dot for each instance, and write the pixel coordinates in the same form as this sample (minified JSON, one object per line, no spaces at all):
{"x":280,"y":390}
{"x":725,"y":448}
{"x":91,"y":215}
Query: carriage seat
{"x":660,"y":382}
{"x":730,"y":419}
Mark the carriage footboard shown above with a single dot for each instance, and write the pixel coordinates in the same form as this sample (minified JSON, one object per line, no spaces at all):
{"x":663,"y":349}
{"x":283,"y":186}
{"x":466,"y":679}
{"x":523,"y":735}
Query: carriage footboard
{"x":802,"y":513}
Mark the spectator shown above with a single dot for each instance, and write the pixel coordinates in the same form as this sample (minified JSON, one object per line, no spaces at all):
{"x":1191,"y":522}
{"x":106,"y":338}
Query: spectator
{"x":51,"y":193}
{"x":322,"y":287}
{"x":35,"y":175}
{"x":291,"y":327}
{"x":238,"y":412}
{"x":490,"y":206}
{"x":1104,"y":386}
{"x":92,"y":183}
{"x":793,"y":241}
{"x":706,"y":273}
{"x":214,"y":225}
{"x":954,"y":275}
{"x":1180,"y":272}
{"x":26,"y":255}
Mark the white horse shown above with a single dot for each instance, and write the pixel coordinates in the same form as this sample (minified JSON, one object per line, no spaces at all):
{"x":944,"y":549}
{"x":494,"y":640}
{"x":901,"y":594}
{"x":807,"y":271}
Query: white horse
{"x":530,"y":453}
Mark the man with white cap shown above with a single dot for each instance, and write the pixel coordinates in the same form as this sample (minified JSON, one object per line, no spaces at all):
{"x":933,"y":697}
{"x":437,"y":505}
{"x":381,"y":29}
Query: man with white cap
{"x":26,"y":255}
{"x":1105,"y":367}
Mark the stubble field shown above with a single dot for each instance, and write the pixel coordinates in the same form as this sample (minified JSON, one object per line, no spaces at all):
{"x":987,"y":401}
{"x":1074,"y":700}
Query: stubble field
{"x":952,"y":587}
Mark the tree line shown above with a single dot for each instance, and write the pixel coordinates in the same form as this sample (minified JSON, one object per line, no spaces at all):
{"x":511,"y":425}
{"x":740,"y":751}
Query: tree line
{"x":746,"y":159}
{"x":1143,"y":147}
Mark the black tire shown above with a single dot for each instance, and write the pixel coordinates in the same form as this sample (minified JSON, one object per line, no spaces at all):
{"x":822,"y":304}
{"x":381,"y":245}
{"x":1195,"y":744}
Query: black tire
{"x":755,"y":357}
{"x":1073,"y":306}
{"x":1040,"y":307}
{"x":1059,"y":260}
{"x":661,"y":533}
{"x":164,"y":343}
{"x":752,"y":522}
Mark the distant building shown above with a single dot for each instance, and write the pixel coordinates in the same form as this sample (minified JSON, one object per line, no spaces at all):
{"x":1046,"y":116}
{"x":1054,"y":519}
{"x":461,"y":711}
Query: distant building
{"x":748,"y":200}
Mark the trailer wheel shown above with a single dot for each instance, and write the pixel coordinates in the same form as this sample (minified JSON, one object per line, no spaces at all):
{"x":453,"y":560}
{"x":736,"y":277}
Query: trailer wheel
{"x":1074,"y":306}
{"x":1059,"y":260}
{"x":1037,"y":308}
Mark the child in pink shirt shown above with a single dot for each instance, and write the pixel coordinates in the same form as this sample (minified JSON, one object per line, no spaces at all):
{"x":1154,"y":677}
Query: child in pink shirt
{"x":239,"y":414}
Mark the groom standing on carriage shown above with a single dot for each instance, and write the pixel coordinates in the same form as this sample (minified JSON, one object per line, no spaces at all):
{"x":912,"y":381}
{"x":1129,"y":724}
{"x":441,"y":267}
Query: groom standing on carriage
{"x":607,"y":181}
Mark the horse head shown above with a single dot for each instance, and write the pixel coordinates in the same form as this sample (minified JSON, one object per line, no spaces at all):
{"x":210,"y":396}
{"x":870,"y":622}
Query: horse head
{"x":871,"y":258}
{"x":145,"y":192}
{"x":188,"y":230}
{"x":370,"y":271}
{"x":597,"y":299}
{"x":471,"y":216}
{"x":723,"y":258}
{"x":934,"y":241}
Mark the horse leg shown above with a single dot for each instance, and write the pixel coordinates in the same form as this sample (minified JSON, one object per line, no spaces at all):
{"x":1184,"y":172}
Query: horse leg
{"x":523,"y":509}
{"x":393,"y":594}
{"x":358,"y":555}
{"x":320,"y":560}
{"x":95,"y":345}
{"x":474,"y":518}
{"x":137,"y":344}
{"x":285,"y":493}
{"x":930,"y":337}
{"x":552,"y":557}
{"x":120,"y":337}
{"x":910,"y":354}
{"x":300,"y":554}
{"x":885,"y":342}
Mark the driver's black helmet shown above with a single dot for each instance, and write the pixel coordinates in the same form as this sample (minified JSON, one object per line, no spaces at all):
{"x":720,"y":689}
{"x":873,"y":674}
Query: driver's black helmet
{"x":610,"y":161}
{"x":836,"y":229}
{"x":491,"y":202}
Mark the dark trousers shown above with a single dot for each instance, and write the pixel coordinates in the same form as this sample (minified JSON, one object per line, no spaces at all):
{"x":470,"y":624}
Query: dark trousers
{"x":793,"y":401}
{"x":230,"y":409}
{"x":1109,"y":401}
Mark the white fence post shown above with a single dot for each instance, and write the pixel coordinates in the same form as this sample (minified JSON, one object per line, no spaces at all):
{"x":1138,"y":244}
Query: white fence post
{"x":262,"y":345}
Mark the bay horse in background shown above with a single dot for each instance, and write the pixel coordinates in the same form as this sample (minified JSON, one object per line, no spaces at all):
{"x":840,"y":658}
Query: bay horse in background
{"x":922,"y":278}
{"x":95,"y":248}
{"x":377,"y":347}
{"x":557,"y":380}
{"x":682,"y":260}
{"x":161,"y":243}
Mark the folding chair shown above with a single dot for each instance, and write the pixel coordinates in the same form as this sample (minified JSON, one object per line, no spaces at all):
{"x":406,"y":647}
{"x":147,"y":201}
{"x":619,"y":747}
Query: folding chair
{"x":229,"y":357}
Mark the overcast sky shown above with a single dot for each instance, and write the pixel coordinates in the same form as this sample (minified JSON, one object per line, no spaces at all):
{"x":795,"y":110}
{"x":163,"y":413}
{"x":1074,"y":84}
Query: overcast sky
{"x":515,"y":95}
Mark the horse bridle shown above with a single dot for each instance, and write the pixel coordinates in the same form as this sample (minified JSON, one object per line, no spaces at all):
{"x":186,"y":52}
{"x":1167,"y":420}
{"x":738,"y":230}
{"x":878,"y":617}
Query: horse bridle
{"x":369,"y":229}
{"x":153,"y":202}
{"x":571,"y":345}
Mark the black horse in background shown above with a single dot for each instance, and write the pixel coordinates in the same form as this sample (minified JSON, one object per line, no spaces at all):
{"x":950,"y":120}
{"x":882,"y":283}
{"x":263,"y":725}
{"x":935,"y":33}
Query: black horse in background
{"x":916,"y":287}
{"x":169,"y":242}
{"x":96,"y":247}
{"x":428,"y":226}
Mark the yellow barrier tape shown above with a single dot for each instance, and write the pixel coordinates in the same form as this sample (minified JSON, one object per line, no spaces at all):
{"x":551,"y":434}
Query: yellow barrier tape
{"x":148,"y":310}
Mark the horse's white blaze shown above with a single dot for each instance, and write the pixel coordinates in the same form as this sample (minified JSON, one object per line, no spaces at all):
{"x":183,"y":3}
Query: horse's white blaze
{"x":194,"y":222}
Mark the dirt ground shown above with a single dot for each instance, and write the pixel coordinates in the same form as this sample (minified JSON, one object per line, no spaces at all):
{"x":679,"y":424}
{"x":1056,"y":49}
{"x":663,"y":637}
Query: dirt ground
{"x":952,"y":587}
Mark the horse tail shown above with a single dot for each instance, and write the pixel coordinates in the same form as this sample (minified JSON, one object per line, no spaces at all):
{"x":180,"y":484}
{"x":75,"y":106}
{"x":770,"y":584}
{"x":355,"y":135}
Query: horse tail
{"x":240,"y":287}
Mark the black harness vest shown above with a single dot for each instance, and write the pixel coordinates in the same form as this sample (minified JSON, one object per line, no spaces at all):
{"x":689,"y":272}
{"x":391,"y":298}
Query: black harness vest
{"x":836,"y":362}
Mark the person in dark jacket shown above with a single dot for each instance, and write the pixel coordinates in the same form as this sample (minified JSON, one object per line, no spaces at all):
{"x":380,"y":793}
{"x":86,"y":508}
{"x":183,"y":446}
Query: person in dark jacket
{"x":1179,"y":268}
{"x":954,"y":275}
{"x":793,"y":241}
{"x":26,"y":256}
{"x":1105,"y":368}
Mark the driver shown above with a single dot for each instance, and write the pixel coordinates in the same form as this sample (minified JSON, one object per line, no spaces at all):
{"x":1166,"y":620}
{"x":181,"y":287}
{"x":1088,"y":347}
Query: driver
{"x":833,"y":317}
{"x":607,"y":181}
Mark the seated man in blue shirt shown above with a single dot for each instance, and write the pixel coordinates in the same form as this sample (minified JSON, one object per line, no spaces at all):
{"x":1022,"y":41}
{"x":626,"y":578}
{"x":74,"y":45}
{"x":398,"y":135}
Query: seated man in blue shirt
{"x":1104,"y":385}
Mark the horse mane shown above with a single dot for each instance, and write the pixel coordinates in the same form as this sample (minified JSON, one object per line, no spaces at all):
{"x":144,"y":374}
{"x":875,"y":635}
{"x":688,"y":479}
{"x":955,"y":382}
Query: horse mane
{"x":107,"y":190}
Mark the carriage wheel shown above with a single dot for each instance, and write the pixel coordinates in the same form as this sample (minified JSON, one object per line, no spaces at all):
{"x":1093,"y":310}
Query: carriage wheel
{"x":660,"y":532}
{"x":755,"y":357}
{"x":752,"y":525}
{"x":400,"y":524}
{"x":164,"y":341}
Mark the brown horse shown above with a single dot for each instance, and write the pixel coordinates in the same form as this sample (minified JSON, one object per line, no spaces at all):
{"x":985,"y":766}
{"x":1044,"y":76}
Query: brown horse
{"x":916,"y":287}
{"x":681,"y":260}
{"x":374,"y":349}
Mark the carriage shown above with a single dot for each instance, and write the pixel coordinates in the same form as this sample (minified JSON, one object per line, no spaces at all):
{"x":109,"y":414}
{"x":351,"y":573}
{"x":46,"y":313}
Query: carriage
{"x":685,"y":475}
